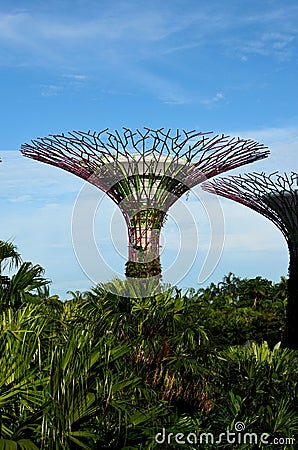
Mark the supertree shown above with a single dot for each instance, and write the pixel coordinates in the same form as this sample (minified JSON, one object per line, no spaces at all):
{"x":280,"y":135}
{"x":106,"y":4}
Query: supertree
{"x":274,"y":196}
{"x":144,"y":173}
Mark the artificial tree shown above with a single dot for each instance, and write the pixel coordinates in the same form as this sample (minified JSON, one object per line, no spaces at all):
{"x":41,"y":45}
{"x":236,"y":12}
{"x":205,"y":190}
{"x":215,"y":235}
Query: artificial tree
{"x":274,"y":196}
{"x":144,"y":173}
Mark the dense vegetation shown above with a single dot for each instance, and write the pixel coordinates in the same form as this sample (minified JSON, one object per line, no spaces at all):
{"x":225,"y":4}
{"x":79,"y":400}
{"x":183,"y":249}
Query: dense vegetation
{"x":103,"y":371}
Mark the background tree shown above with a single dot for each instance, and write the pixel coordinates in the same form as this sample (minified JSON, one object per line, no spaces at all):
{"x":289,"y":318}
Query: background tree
{"x":22,"y":286}
{"x":275,"y":197}
{"x":9,"y":256}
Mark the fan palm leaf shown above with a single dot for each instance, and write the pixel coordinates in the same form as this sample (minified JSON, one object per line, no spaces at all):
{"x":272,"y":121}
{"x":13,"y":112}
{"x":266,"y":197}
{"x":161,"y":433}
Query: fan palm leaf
{"x":9,"y":256}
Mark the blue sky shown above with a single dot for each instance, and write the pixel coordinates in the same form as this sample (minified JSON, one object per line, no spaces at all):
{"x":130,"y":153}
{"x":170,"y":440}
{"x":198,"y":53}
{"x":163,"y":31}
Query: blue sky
{"x":227,"y":66}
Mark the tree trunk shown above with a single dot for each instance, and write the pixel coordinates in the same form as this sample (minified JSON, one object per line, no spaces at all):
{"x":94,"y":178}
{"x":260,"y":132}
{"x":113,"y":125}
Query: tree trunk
{"x":291,"y":330}
{"x":144,"y":235}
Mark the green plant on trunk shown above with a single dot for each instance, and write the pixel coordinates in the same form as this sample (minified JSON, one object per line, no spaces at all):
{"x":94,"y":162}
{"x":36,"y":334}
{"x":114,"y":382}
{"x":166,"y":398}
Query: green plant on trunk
{"x":136,"y":269}
{"x":151,"y":218}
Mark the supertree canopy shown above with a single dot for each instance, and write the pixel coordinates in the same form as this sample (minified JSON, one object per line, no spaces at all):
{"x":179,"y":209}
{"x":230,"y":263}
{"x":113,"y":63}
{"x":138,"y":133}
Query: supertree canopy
{"x":144,"y":173}
{"x":274,"y":196}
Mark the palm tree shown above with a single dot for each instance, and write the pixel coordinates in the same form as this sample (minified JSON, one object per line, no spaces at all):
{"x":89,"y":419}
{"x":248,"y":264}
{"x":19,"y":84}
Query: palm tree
{"x":25,"y":284}
{"x":9,"y":256}
{"x":22,"y":376}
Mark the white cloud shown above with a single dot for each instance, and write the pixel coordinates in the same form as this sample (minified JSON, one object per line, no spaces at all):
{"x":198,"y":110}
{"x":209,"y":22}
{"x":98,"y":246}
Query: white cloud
{"x":77,"y":77}
{"x":276,"y":44}
{"x":166,"y":90}
{"x":218,"y":97}
{"x":20,"y":198}
{"x":125,"y":40}
{"x":51,"y":90}
{"x":117,"y":32}
{"x":38,"y":30}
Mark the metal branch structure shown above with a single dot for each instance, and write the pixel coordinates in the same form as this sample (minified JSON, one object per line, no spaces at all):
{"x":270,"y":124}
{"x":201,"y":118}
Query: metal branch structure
{"x":274,"y":196}
{"x":144,"y":172}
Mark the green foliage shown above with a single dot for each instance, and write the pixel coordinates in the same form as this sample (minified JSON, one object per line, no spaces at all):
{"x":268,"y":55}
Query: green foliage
{"x":22,"y":444}
{"x":257,"y":386}
{"x":151,"y":218}
{"x":27,"y":284}
{"x":24,"y":286}
{"x":107,"y":371}
{"x":239,"y":310}
{"x":9,"y":256}
{"x":134,"y":269}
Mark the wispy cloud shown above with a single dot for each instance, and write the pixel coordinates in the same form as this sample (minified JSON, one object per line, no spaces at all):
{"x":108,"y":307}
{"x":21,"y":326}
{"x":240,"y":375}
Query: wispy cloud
{"x":77,"y":77}
{"x":142,"y":43}
{"x":29,"y":29}
{"x":125,"y":31}
{"x":21,"y":198}
{"x":51,"y":90}
{"x":276,"y":44}
{"x":213,"y":101}
{"x":166,"y":90}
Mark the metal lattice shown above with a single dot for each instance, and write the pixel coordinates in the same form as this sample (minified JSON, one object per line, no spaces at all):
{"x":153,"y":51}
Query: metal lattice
{"x":274,"y":196}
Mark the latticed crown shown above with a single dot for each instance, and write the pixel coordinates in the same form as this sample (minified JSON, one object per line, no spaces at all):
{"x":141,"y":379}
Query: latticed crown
{"x":275,"y":196}
{"x":105,"y":158}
